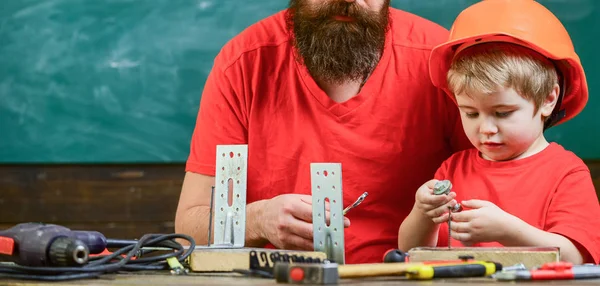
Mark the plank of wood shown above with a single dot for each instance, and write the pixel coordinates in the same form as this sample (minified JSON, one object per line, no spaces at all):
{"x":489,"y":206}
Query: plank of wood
{"x":227,"y":259}
{"x":507,"y":256}
{"x":79,"y":194}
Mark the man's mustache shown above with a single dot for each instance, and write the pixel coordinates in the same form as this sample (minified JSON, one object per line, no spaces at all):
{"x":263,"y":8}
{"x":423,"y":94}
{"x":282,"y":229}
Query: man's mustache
{"x":339,"y":8}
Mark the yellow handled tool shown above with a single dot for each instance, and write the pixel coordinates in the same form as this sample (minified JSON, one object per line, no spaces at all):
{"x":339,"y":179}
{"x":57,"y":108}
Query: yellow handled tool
{"x":466,"y":269}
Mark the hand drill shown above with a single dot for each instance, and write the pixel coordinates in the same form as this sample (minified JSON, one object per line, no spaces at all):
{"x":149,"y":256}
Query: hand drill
{"x":39,"y":244}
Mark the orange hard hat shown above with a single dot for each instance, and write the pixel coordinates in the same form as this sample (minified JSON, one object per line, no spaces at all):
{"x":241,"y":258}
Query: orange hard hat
{"x":523,"y":22}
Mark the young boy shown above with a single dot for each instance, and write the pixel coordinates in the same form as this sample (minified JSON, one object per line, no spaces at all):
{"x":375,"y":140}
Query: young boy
{"x":512,"y":70}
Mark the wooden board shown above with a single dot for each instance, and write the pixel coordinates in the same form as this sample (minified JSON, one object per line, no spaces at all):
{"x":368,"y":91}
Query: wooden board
{"x":507,"y":256}
{"x":121,"y":201}
{"x":227,"y":259}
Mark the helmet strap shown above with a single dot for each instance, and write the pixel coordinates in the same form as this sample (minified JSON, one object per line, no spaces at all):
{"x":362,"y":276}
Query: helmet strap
{"x":557,"y":113}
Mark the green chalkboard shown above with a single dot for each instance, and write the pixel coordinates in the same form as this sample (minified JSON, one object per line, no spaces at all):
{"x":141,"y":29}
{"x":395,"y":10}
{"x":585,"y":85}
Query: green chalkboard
{"x":114,"y":81}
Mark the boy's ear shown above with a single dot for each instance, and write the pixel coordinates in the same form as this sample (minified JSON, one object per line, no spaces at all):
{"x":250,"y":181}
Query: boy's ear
{"x":550,"y":102}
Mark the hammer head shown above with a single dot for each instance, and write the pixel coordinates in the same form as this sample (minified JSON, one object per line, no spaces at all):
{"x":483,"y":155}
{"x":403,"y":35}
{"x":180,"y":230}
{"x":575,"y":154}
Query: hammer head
{"x":306,"y":273}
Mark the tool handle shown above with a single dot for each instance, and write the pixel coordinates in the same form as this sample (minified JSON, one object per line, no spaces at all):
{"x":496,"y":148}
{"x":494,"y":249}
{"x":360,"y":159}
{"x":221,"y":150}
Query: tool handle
{"x":586,"y":271}
{"x":577,"y":272}
{"x":374,"y":269}
{"x":468,"y":270}
{"x":476,"y":269}
{"x":551,"y":275}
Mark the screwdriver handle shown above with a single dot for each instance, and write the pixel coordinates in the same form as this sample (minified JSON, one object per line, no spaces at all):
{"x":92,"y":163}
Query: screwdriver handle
{"x":475,"y":269}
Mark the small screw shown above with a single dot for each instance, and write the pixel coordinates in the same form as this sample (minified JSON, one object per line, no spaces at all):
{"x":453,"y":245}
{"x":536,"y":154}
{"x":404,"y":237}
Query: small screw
{"x":516,"y":267}
{"x":179,"y":271}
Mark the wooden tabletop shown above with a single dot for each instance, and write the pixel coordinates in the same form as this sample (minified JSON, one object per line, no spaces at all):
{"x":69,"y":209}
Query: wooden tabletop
{"x":164,"y":278}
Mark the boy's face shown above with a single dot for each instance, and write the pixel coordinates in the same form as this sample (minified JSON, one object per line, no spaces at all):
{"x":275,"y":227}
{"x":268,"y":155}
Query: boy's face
{"x":503,"y":125}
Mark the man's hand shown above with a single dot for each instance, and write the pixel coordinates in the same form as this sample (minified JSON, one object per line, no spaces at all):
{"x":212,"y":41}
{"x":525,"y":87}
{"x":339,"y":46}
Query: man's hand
{"x":484,"y":222}
{"x":286,"y":222}
{"x":431,"y":205}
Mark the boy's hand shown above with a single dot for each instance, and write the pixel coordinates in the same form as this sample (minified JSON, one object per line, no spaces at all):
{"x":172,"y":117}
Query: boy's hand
{"x":483,"y":222}
{"x":431,"y":205}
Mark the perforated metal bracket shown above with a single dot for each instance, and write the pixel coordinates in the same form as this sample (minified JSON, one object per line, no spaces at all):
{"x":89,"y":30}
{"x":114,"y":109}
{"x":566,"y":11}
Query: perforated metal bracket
{"x":326,"y":183}
{"x":230,"y":196}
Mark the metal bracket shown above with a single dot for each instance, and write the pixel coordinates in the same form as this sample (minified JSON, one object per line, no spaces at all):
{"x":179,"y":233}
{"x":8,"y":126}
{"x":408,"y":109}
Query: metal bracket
{"x":230,"y":187}
{"x":326,"y":183}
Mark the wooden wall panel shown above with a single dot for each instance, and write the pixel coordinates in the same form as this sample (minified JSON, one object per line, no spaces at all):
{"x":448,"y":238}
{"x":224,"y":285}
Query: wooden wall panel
{"x":114,"y":199}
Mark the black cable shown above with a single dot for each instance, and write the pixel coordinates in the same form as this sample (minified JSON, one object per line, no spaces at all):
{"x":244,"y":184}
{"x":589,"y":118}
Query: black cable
{"x":158,"y":258}
{"x":162,"y":257}
{"x":143,"y":267}
{"x":254,"y":273}
{"x":109,"y":263}
{"x":119,"y":243}
{"x":51,"y":277}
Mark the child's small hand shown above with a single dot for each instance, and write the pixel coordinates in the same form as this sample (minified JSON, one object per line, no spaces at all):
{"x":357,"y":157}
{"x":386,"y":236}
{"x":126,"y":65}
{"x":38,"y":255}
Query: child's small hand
{"x":483,"y":222}
{"x":431,"y":205}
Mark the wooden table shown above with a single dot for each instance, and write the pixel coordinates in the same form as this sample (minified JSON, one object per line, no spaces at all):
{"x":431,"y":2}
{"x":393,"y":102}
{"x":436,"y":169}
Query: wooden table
{"x":164,"y":278}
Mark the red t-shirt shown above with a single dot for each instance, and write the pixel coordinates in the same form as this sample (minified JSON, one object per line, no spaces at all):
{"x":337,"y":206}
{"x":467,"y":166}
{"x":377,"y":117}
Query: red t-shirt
{"x":551,"y":190}
{"x":390,"y":138}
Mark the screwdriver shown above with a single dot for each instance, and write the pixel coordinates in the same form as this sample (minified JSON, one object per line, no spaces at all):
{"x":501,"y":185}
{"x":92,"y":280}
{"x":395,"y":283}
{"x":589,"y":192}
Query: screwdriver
{"x":467,"y":269}
{"x":552,"y":271}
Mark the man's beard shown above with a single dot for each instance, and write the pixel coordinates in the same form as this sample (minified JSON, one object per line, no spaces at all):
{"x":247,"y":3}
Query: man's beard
{"x":337,"y":51}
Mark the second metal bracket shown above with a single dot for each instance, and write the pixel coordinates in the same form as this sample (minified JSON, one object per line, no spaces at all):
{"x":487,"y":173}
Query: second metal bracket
{"x":326,"y":186}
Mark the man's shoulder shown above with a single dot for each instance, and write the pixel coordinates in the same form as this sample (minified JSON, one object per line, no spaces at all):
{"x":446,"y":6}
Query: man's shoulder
{"x":410,"y":30}
{"x":268,"y":32}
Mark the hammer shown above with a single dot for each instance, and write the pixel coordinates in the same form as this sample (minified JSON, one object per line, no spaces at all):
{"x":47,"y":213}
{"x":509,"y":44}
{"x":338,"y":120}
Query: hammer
{"x":330,"y":273}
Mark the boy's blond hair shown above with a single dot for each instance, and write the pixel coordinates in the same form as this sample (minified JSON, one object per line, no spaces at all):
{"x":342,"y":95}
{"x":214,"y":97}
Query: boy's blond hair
{"x":489,"y":67}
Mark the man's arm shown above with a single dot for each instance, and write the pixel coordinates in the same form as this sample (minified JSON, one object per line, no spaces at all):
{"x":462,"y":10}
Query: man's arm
{"x":193,"y":211}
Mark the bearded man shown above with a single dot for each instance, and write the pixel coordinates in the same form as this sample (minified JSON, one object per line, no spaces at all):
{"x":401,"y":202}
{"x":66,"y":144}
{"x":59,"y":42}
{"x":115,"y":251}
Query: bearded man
{"x":342,"y":81}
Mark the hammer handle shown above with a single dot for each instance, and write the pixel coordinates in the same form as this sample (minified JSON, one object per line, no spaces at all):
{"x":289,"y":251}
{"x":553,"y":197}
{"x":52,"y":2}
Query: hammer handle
{"x":374,"y":269}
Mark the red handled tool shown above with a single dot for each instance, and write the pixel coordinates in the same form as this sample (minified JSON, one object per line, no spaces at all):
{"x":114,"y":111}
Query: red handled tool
{"x":553,"y":271}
